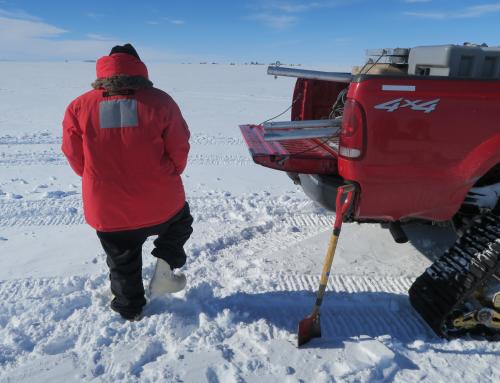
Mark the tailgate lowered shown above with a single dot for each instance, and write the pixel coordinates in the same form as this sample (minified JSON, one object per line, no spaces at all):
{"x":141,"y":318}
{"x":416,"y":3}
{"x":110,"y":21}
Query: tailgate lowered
{"x":306,"y":155}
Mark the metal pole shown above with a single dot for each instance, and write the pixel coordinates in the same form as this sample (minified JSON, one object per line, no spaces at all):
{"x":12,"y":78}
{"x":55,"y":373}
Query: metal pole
{"x":301,"y":134}
{"x":309,"y":74}
{"x":306,"y":124}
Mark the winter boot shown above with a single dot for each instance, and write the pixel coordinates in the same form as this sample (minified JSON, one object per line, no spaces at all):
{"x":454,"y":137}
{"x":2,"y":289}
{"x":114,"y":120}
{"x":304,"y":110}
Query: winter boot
{"x":132,"y":317}
{"x":129,"y":316}
{"x":165,"y":281}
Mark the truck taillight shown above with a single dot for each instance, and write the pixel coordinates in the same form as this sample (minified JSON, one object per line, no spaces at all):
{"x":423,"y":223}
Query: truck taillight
{"x":353,"y":130}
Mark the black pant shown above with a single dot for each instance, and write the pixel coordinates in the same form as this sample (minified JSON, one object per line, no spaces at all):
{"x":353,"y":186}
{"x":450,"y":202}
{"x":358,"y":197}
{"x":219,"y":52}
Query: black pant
{"x":124,"y":257}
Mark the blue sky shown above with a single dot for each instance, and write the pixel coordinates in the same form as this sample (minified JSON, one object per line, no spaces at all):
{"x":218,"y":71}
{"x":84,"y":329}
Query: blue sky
{"x":310,"y":32}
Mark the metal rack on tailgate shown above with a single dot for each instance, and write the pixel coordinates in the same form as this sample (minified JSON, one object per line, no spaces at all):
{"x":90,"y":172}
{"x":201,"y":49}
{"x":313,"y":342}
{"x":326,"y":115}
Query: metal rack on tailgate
{"x":287,"y":148}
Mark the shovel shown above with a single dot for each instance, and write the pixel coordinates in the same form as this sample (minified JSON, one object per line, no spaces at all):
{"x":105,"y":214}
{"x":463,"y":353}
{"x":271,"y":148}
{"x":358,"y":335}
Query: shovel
{"x":310,"y":326}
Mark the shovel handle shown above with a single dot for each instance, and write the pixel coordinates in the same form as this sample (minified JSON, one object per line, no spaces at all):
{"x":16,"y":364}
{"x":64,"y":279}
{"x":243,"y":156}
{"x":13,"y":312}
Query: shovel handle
{"x":344,"y":199}
{"x":343,"y":202}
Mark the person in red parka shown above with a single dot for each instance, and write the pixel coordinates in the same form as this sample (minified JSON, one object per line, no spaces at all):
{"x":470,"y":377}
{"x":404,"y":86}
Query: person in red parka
{"x":129,"y":143}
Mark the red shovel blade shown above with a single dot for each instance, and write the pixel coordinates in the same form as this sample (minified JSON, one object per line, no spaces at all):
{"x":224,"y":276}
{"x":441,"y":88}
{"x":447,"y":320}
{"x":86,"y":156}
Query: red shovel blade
{"x":309,"y":327}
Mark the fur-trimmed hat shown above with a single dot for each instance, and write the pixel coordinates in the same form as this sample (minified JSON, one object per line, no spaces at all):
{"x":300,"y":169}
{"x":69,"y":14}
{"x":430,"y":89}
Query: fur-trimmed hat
{"x":127,"y":48}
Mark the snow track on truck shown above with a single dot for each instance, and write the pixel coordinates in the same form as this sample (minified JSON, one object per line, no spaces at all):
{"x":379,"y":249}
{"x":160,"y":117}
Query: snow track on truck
{"x":455,"y":276}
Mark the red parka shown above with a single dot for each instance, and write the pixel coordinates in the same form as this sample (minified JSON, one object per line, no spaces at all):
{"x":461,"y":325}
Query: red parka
{"x":130,"y":151}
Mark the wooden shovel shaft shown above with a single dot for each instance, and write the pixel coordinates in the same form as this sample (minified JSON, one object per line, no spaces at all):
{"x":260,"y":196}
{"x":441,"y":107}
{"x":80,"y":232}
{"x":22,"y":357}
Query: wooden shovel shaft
{"x":327,"y":265}
{"x":332,"y":245}
{"x":344,"y":199}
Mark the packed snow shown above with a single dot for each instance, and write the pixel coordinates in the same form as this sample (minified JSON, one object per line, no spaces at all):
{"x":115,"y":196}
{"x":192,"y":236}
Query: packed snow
{"x":253,"y":266}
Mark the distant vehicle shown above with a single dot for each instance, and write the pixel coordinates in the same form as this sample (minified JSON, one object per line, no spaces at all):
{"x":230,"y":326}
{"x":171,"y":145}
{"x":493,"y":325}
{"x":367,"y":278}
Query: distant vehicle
{"x":417,"y":132}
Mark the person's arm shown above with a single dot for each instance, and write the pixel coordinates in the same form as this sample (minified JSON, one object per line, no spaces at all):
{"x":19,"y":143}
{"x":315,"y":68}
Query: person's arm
{"x":72,"y":142}
{"x":176,"y":137}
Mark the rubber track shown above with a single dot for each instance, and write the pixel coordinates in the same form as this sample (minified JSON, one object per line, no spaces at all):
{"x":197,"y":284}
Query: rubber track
{"x":451,"y":280}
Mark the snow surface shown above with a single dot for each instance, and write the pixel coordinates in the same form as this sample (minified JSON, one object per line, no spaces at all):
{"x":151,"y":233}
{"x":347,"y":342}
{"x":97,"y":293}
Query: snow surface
{"x":254,"y":258}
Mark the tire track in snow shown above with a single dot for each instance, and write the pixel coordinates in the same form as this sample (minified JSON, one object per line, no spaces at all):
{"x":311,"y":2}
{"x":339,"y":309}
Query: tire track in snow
{"x":343,"y":315}
{"x":354,"y":305}
{"x":45,"y":212}
{"x":53,"y":158}
{"x":44,"y":138}
{"x":46,"y":157}
{"x":219,"y":159}
{"x":277,"y":233}
{"x":52,"y":288}
{"x":68,"y":211}
{"x":30,"y":139}
{"x":342,"y":283}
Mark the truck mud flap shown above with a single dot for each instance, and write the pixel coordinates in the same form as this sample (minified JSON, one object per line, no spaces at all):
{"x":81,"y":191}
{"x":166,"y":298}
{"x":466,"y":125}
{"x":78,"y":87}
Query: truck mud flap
{"x":321,"y":189}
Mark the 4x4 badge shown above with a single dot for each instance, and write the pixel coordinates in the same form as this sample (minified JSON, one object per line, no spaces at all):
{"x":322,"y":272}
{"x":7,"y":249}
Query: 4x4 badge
{"x":418,"y":105}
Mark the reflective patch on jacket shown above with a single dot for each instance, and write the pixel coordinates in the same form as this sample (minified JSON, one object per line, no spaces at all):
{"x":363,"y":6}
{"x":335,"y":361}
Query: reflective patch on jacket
{"x":118,"y":114}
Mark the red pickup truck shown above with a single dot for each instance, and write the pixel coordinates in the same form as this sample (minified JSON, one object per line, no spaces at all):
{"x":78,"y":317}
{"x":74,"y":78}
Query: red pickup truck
{"x":417,"y":131}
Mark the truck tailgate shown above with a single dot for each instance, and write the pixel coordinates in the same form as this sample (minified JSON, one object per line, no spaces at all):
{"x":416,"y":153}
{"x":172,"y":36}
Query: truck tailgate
{"x":309,"y":156}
